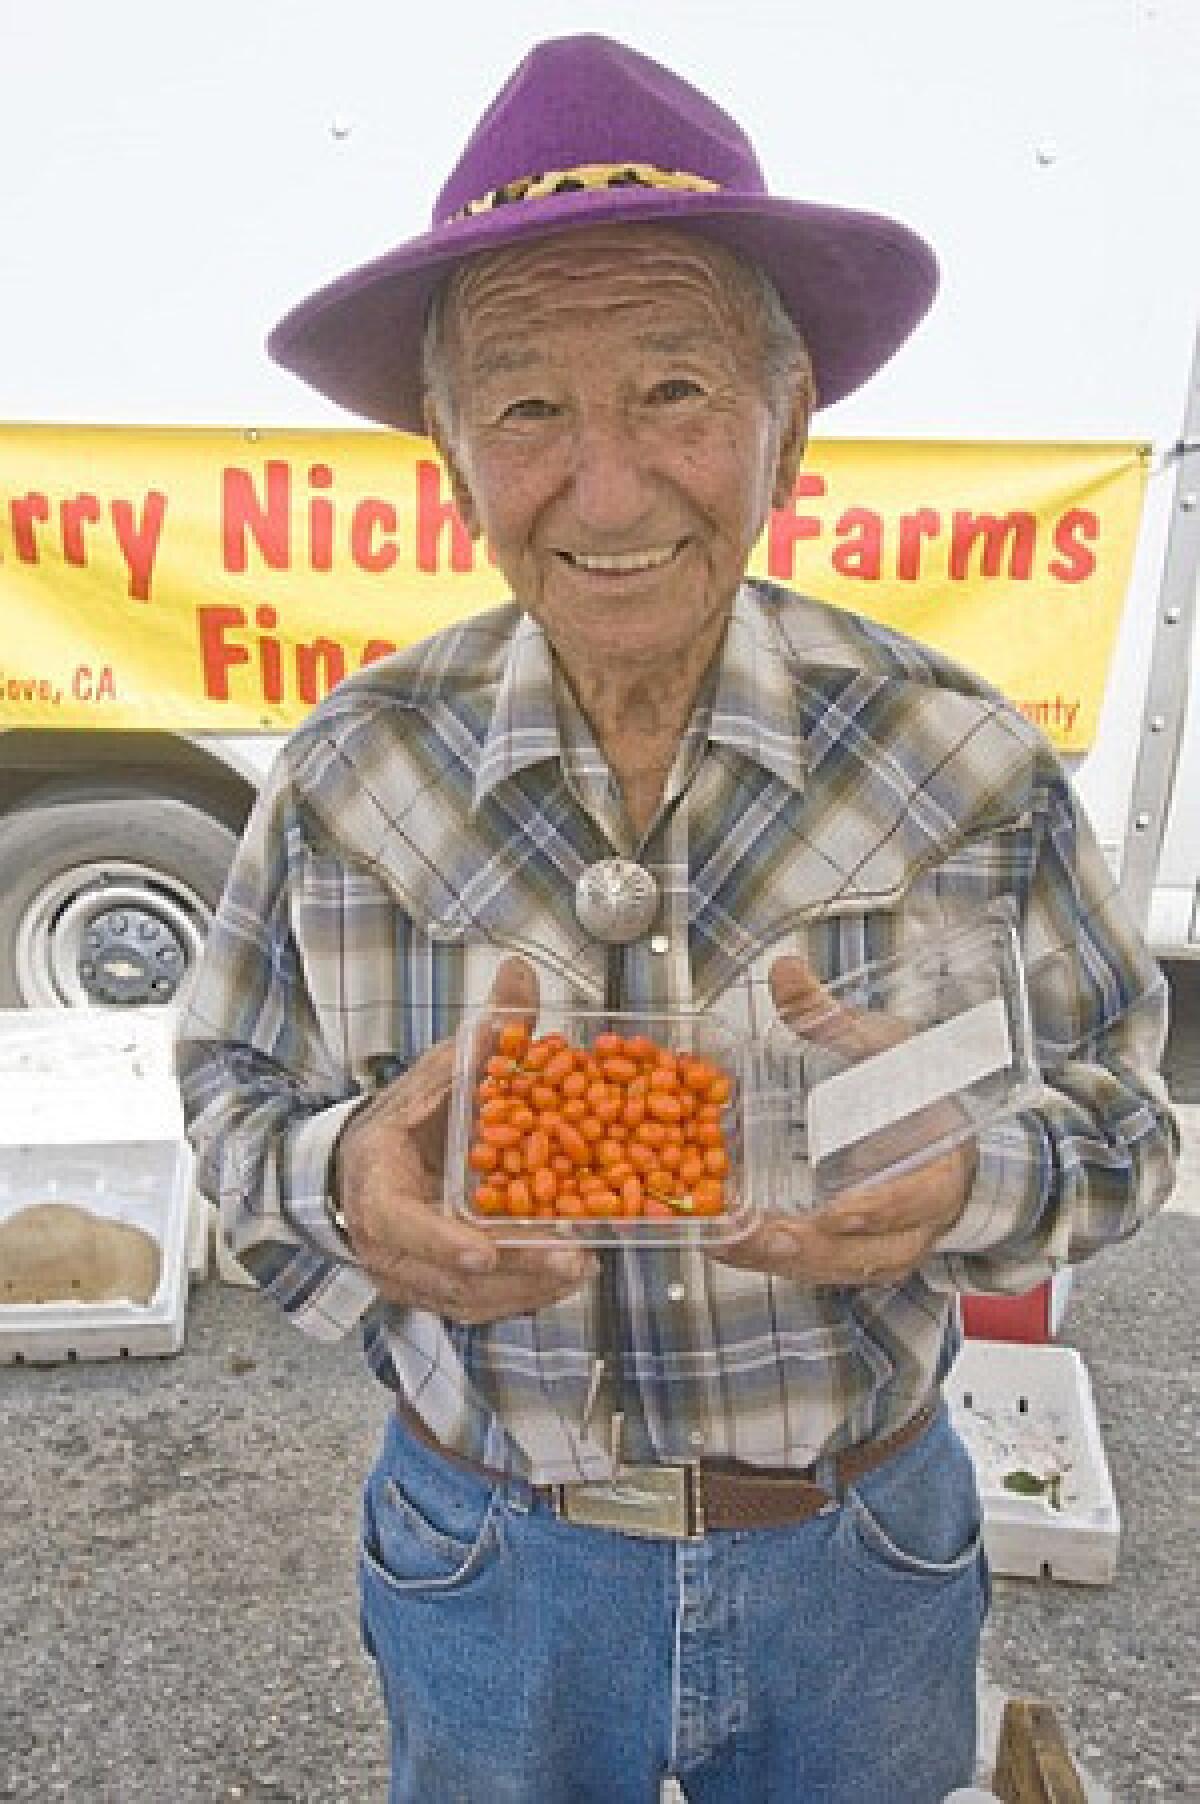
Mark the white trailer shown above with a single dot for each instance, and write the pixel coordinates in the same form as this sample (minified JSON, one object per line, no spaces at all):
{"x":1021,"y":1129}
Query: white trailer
{"x":167,"y":189}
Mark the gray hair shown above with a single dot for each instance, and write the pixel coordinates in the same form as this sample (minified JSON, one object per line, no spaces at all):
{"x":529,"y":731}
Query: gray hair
{"x":785,"y":356}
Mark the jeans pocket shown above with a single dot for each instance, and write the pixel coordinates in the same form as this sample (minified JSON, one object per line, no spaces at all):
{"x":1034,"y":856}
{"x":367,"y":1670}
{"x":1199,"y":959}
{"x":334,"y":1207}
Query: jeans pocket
{"x":426,"y":1526}
{"x":901,"y":1557}
{"x":919,"y":1516}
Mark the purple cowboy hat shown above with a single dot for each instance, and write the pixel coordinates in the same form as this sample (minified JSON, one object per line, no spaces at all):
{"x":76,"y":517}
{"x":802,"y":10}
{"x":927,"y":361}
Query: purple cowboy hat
{"x":588,"y":132}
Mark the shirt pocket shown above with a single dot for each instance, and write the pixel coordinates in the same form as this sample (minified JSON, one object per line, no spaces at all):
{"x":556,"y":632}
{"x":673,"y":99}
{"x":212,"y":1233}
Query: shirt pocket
{"x":385,"y":988}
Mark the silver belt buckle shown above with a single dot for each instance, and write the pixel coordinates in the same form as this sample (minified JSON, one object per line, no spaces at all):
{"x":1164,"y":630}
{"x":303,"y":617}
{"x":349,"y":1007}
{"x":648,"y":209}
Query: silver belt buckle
{"x":661,"y":1502}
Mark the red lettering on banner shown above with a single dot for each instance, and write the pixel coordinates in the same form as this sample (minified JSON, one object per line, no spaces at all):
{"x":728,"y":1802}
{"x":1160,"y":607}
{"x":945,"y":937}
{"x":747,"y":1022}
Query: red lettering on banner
{"x":861,"y":552}
{"x":434,"y":515}
{"x":786,"y":526}
{"x":217,"y":654}
{"x":89,"y":685}
{"x":305,"y":671}
{"x":138,"y":539}
{"x":270,"y":655}
{"x":1076,"y":562}
{"x":995,"y":531}
{"x":320,"y":519}
{"x":73,"y":514}
{"x":320,"y":667}
{"x":371,"y":516}
{"x":243,"y":514}
{"x":924,"y":522}
{"x":23,"y":513}
{"x":137,"y":534}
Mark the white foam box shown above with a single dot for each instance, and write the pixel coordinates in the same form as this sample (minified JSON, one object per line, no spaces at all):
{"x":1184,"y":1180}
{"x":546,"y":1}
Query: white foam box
{"x":1029,"y":1410}
{"x":88,"y":1074}
{"x":144,"y":1183}
{"x":87,"y":1042}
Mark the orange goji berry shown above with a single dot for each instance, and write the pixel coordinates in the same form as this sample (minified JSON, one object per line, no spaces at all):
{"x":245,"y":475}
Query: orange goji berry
{"x":512,"y":1040}
{"x":544,"y":1185}
{"x":520,"y":1198}
{"x":499,"y":1133}
{"x":573,"y":1143}
{"x":537,"y":1150}
{"x":559,"y":1068}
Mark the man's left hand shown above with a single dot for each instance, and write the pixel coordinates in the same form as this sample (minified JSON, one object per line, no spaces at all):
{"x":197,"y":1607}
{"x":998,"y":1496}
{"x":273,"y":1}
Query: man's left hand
{"x":875,"y":1235}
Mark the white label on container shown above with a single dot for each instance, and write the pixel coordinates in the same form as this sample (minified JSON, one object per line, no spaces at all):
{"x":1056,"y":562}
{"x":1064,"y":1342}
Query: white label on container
{"x":891,"y":1085}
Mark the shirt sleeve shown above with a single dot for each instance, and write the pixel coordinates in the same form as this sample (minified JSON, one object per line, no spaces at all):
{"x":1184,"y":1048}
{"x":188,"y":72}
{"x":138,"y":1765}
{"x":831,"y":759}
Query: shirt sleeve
{"x":264,"y":1100}
{"x":1096,"y":1154}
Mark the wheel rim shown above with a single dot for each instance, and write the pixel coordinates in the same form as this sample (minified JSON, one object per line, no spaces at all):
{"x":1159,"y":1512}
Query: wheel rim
{"x":109,"y":934}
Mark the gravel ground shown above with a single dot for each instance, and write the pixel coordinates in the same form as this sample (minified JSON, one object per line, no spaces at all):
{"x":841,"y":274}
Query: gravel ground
{"x":179,"y":1623}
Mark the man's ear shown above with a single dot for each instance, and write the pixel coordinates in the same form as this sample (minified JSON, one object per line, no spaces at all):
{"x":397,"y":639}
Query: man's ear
{"x":792,"y":443}
{"x":463,"y":500}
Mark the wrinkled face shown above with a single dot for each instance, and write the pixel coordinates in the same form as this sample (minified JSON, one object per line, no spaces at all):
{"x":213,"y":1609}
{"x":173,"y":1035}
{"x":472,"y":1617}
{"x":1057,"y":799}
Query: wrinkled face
{"x":613,"y":436}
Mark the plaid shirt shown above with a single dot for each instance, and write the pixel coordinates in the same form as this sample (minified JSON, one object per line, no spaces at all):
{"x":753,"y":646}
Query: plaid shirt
{"x":840,"y":792}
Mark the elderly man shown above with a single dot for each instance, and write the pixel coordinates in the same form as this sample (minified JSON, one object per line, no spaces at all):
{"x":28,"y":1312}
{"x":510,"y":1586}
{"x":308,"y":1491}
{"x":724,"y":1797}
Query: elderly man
{"x":617,"y":338}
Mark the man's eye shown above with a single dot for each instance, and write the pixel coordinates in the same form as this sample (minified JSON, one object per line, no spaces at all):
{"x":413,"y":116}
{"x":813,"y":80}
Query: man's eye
{"x":675,"y":388}
{"x":531,"y":408}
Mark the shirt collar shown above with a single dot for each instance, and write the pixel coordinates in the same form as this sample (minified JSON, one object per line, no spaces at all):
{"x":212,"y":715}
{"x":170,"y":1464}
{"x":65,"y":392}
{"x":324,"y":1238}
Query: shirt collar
{"x":524,"y":727}
{"x":752,"y":705}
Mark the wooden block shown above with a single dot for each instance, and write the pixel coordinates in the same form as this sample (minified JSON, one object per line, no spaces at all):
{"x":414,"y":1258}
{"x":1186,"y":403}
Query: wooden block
{"x":1033,"y":1765}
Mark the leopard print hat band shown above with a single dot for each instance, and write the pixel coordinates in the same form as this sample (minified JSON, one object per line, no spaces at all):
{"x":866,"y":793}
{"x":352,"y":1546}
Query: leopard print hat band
{"x":584,"y":176}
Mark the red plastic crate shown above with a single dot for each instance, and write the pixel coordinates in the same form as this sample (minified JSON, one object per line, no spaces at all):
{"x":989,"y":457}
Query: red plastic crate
{"x":1034,"y":1317}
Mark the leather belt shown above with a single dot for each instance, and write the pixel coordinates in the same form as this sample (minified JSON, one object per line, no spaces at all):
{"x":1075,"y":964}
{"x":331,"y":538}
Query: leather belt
{"x":681,"y":1502}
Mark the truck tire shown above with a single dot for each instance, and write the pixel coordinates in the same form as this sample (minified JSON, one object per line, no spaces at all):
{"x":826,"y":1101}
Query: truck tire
{"x":106,"y":900}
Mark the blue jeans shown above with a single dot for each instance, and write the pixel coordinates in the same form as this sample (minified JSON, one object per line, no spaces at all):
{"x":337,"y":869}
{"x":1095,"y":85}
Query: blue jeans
{"x":525,"y":1660}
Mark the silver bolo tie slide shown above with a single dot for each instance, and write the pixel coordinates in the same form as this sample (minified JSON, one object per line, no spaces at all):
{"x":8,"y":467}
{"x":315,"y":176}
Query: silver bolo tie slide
{"x":616,"y":901}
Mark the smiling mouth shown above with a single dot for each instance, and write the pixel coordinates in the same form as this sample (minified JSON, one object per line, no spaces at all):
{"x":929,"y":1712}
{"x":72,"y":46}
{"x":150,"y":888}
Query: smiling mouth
{"x":623,"y":563}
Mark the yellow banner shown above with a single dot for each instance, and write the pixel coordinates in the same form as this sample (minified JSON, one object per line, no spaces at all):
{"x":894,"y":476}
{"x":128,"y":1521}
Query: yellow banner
{"x":223,"y":581}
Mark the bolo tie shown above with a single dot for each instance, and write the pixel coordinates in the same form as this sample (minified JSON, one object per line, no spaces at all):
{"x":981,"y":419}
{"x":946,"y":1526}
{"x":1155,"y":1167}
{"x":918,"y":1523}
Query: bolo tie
{"x":616,"y":901}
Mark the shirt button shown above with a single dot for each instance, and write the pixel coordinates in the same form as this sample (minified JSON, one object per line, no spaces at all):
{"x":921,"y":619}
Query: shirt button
{"x":676,"y":1292}
{"x":659,"y":943}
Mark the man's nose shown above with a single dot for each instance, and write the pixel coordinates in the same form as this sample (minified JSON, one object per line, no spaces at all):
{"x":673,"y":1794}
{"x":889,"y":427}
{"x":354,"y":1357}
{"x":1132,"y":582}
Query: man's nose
{"x":609,"y":488}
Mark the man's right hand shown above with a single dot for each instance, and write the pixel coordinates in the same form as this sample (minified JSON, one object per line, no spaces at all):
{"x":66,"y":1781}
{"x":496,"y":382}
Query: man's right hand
{"x":390,"y":1162}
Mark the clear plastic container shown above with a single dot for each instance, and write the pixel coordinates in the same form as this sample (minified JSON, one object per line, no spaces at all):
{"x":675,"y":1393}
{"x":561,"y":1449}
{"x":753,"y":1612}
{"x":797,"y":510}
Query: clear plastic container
{"x":685,"y":1207}
{"x":900,"y":1061}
